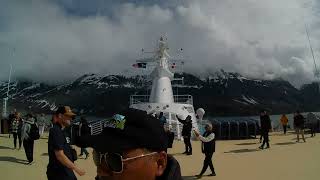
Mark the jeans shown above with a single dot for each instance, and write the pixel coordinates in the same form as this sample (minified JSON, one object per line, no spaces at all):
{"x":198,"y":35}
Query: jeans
{"x":284,"y":129}
{"x":265,"y":135}
{"x":41,"y":130}
{"x":300,"y":131}
{"x":187,"y":143}
{"x":15,"y":136}
{"x":28,"y":149}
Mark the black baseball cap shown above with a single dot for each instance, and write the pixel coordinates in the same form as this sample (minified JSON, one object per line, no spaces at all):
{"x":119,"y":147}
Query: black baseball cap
{"x":127,"y":130}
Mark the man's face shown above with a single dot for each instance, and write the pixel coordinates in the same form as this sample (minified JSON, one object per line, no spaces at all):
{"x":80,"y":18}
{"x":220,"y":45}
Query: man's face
{"x":147,"y":168}
{"x":66,"y":120}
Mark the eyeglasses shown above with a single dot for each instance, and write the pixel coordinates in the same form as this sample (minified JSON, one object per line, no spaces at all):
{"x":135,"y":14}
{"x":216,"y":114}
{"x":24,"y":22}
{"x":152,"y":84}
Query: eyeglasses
{"x":115,"y":161}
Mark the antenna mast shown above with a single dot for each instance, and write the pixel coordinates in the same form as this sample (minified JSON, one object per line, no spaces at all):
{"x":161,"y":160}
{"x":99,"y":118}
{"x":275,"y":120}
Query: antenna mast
{"x":317,"y":73}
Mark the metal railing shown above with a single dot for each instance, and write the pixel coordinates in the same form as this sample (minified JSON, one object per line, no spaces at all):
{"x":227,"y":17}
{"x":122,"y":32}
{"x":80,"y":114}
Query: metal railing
{"x":183,"y":99}
{"x":97,"y":127}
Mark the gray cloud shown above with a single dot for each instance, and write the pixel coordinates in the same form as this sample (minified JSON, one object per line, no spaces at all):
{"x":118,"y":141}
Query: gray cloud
{"x":57,"y":42}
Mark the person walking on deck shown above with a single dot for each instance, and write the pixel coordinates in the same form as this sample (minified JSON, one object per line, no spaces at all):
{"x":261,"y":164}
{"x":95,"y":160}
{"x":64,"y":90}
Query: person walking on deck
{"x":298,"y":121}
{"x":186,"y":133}
{"x":208,"y":147}
{"x":28,"y":142}
{"x":162,"y":119}
{"x":84,"y":130}
{"x":61,"y":161}
{"x":265,"y":128}
{"x":16,"y":127}
{"x":284,"y":122}
{"x":42,"y":124}
{"x":11,"y":116}
{"x":312,"y":120}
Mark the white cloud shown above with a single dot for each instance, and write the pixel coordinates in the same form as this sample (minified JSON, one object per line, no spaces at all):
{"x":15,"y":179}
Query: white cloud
{"x":261,"y":39}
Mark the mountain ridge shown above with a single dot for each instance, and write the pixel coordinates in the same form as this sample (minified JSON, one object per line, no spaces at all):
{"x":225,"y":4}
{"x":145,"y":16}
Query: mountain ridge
{"x":220,"y":94}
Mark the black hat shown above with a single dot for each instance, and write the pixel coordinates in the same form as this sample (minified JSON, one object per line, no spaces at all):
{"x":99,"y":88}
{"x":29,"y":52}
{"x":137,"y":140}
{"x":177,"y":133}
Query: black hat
{"x":129,"y":130}
{"x":66,"y":110}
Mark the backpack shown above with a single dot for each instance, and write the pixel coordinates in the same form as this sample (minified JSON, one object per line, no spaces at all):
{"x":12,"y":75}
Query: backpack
{"x":34,"y":132}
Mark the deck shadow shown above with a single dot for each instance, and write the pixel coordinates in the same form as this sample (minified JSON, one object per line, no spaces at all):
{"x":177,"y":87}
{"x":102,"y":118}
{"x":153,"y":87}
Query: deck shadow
{"x":13,"y":159}
{"x":4,"y":147}
{"x":251,"y":143}
{"x":177,"y":154}
{"x":4,"y":135}
{"x":242,"y":151}
{"x":188,"y":177}
{"x":44,"y":154}
{"x":285,"y":143}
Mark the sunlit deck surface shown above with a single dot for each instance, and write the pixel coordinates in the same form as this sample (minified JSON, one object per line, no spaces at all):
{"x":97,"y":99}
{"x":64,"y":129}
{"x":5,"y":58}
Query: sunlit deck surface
{"x":234,"y":160}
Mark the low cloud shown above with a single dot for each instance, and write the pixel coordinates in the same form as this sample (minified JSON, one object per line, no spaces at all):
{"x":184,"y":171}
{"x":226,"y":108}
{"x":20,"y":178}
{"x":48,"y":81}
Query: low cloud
{"x":56,"y":41}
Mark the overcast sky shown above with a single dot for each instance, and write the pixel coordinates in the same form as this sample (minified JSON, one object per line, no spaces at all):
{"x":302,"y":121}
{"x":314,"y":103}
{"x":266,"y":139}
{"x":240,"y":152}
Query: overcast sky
{"x":59,"y":40}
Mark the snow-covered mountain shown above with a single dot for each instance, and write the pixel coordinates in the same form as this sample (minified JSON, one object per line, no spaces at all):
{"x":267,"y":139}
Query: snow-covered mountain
{"x":221,"y":93}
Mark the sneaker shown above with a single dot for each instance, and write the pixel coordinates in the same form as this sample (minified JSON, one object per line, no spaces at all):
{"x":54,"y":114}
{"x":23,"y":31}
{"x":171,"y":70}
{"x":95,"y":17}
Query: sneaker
{"x":212,"y":174}
{"x":260,"y":147}
{"x":185,"y":152}
{"x":199,"y":176}
{"x":30,"y":163}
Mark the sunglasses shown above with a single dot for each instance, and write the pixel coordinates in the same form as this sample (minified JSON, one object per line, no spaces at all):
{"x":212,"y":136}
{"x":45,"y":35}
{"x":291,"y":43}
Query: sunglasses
{"x":114,"y":161}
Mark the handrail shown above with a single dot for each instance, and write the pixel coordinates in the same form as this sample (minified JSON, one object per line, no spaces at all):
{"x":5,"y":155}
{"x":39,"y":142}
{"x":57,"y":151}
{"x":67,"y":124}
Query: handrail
{"x":185,"y":99}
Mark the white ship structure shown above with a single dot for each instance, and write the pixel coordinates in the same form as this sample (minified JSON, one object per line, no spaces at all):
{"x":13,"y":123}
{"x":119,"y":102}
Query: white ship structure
{"x":161,"y":98}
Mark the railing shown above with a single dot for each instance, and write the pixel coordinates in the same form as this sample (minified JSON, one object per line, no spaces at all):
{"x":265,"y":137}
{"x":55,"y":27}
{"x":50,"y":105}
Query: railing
{"x":97,"y":127}
{"x":136,"y":99}
{"x":183,"y":99}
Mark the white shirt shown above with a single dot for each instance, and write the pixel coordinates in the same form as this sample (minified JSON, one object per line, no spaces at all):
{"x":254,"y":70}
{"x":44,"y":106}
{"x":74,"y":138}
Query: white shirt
{"x":208,"y":138}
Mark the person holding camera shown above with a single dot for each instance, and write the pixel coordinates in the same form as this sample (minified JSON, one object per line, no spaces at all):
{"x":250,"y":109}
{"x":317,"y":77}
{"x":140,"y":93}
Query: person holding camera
{"x":208,"y":147}
{"x":61,"y":155}
{"x":186,"y":133}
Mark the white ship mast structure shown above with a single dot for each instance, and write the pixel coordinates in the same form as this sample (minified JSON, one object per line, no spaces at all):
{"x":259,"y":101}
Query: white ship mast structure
{"x":5,"y":100}
{"x":161,"y":98}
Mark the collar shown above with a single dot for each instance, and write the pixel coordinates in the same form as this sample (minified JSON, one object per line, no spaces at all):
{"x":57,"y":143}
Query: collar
{"x":172,"y":171}
{"x":58,"y":125}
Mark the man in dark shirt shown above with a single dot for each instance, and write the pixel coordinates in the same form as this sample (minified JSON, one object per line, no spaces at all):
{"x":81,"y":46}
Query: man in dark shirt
{"x":298,"y":121}
{"x":265,"y":128}
{"x":61,"y":164}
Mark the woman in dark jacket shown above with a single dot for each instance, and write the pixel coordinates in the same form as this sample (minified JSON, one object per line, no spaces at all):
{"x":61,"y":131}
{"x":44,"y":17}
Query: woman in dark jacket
{"x":186,"y":133}
{"x":16,"y":126}
{"x":84,"y":130}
